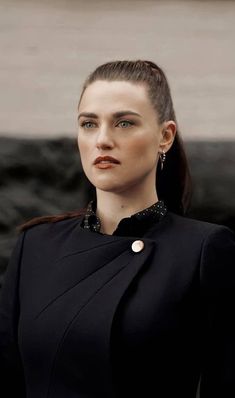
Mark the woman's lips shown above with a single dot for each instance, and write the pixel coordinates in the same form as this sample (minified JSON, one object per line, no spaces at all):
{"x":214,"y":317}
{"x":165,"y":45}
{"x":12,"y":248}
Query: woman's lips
{"x":105,"y":165}
{"x":105,"y":162}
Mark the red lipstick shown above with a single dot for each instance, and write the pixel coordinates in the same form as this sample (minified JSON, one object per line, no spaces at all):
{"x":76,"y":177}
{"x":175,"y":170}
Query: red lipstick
{"x":105,"y":162}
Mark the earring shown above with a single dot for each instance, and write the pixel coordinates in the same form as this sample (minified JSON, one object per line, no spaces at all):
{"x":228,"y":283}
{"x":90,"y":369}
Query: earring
{"x":162,"y":158}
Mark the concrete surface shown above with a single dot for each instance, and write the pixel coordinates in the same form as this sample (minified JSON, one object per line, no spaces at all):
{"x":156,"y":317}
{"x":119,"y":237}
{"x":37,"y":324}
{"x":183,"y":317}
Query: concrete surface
{"x":48,"y":47}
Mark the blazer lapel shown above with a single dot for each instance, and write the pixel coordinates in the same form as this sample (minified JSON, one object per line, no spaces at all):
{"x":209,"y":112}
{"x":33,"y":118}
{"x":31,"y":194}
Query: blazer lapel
{"x":103,"y":267}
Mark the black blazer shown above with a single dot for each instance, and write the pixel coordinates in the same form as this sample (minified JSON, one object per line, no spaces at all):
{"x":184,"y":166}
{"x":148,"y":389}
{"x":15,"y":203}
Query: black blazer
{"x":83,"y":315}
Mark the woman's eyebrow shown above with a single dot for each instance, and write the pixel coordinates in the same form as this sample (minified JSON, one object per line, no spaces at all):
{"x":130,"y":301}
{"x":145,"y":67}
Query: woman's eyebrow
{"x":124,"y":113}
{"x":88,"y":114}
{"x":114,"y":115}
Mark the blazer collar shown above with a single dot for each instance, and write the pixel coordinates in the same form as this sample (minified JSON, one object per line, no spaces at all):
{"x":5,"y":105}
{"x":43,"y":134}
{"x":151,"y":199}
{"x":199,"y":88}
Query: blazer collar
{"x":79,"y":239}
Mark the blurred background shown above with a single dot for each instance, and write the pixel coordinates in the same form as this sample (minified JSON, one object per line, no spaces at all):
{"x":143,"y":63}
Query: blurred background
{"x":48,"y":47}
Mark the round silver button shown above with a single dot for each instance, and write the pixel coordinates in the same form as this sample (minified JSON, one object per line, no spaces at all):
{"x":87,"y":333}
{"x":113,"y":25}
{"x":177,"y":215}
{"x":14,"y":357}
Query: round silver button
{"x":137,"y":246}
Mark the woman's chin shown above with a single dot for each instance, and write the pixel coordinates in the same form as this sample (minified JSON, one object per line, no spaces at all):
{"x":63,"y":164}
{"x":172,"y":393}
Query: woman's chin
{"x":105,"y":183}
{"x":108,"y":187}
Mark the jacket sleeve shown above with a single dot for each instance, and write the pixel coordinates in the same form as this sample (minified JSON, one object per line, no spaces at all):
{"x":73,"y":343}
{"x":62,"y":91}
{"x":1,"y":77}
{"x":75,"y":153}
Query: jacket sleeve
{"x":217,"y":277}
{"x":11,"y":370}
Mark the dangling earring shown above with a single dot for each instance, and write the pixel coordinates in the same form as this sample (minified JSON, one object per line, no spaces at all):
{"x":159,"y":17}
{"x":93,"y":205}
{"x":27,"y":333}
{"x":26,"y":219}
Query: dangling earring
{"x":162,"y":158}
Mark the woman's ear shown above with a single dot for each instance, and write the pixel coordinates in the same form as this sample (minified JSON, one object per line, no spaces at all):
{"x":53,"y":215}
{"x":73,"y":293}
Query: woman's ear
{"x":167,"y":135}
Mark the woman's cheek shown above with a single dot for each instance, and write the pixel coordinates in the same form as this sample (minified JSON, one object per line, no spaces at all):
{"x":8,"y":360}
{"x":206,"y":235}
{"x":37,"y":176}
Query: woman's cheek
{"x":84,"y":151}
{"x":139,"y":151}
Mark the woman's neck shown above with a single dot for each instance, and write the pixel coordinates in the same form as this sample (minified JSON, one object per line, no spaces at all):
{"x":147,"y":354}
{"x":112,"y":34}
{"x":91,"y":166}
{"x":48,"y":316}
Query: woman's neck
{"x":113,"y":207}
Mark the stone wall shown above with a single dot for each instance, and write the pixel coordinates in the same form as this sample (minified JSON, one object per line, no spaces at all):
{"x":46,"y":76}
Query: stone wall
{"x":39,"y":177}
{"x":48,"y":47}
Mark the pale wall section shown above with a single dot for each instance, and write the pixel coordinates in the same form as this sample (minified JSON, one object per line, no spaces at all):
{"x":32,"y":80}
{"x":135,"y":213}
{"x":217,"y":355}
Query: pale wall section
{"x":48,"y":47}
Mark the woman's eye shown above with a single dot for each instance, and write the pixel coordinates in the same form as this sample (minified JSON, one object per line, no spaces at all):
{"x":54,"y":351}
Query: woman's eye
{"x":125,"y":123}
{"x":88,"y":125}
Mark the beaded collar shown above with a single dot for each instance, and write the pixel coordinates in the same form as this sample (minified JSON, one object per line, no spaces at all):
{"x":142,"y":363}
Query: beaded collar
{"x":137,"y":223}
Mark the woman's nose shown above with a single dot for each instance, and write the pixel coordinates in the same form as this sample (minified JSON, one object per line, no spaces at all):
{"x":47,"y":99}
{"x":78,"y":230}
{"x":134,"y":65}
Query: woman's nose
{"x":104,"y":138}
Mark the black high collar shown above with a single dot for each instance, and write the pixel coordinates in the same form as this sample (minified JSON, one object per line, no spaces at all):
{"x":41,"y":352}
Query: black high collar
{"x":135,"y":225}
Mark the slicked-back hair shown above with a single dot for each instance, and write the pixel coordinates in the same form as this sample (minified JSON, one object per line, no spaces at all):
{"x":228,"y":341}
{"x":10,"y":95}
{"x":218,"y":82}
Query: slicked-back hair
{"x":173,"y":183}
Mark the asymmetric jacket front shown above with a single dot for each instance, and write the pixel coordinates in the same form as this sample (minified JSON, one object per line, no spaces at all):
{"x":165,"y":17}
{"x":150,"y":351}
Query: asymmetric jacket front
{"x":88,"y":315}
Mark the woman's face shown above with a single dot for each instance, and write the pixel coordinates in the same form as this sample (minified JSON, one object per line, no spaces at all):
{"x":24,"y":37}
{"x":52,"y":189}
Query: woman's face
{"x":117,"y":119}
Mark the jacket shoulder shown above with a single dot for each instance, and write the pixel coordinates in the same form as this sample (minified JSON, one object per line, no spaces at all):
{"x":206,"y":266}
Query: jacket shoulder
{"x":187,"y":226}
{"x":51,"y":219}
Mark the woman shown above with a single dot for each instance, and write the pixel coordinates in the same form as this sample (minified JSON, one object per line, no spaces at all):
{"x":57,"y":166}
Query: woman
{"x":129,"y":298}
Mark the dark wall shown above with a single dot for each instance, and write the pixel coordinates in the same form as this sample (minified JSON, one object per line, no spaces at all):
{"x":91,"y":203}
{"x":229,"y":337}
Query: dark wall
{"x":39,"y":177}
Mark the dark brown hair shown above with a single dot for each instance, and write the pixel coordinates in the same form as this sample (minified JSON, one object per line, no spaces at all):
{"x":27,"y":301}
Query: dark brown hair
{"x":173,"y":182}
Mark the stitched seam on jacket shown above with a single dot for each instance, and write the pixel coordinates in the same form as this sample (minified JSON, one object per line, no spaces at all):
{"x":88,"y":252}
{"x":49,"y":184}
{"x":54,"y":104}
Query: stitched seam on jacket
{"x":69,"y":326}
{"x":85,"y":250}
{"x":73,"y":286}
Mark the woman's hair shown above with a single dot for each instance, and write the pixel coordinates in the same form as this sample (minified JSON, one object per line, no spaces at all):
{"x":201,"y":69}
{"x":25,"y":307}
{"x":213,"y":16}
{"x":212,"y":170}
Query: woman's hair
{"x":173,"y":182}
